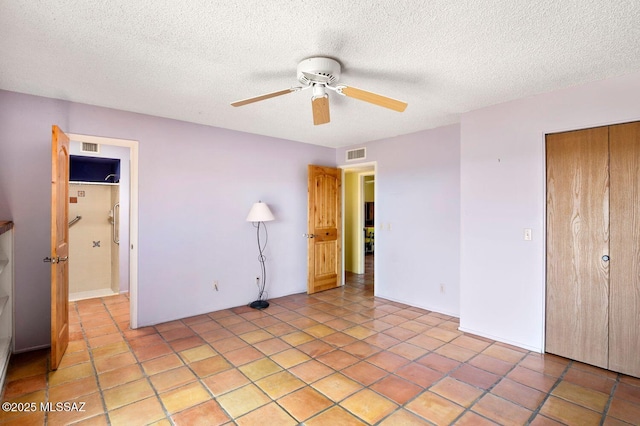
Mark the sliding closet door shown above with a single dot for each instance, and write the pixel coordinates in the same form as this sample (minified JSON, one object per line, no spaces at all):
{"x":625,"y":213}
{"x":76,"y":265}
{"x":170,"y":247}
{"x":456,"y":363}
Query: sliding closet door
{"x":577,"y":303}
{"x":624,"y":327}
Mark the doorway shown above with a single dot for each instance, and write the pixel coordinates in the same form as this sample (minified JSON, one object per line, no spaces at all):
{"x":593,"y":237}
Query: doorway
{"x":98,"y":220}
{"x":359,"y":207}
{"x":128,"y":239}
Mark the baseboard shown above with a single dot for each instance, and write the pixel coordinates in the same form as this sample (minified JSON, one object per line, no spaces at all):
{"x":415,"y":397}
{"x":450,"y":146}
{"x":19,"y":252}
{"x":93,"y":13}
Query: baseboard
{"x":501,"y":340}
{"x":427,"y":308}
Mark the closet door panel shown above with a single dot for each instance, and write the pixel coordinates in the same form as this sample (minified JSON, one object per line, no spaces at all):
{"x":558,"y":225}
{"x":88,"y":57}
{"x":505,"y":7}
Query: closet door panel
{"x":624,"y":327}
{"x":577,"y":237}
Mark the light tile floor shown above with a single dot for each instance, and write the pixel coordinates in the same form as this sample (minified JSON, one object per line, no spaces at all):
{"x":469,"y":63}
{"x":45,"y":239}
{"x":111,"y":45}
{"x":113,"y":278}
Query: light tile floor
{"x":340,"y":357}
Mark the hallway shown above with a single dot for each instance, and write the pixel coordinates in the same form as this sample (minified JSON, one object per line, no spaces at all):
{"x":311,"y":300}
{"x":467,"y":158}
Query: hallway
{"x":362,"y":280}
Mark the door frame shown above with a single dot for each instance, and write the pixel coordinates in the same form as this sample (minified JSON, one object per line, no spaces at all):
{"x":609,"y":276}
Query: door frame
{"x":363,"y":169}
{"x":133,"y":213}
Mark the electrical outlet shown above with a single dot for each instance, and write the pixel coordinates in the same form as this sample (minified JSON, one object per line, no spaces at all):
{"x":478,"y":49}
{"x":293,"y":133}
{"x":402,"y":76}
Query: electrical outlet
{"x":442,"y":288}
{"x":215,"y":285}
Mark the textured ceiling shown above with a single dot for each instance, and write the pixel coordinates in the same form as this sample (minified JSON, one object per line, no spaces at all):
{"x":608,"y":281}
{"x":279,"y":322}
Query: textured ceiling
{"x":188,"y":60}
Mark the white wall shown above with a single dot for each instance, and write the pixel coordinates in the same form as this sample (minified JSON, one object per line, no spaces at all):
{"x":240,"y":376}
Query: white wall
{"x":417,"y":217}
{"x":503,"y":191}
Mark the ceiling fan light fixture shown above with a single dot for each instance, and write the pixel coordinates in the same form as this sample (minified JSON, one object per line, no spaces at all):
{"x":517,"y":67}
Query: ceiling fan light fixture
{"x":319,"y":91}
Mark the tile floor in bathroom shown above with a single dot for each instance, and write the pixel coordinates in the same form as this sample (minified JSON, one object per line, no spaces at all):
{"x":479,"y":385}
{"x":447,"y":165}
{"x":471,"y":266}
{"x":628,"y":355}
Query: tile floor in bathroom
{"x":340,"y":357}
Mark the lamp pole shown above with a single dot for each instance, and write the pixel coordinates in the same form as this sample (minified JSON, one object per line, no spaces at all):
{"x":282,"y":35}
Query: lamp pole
{"x":259,"y":214}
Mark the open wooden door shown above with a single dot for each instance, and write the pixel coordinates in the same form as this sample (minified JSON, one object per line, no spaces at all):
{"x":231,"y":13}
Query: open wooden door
{"x":59,"y":245}
{"x":324,"y":248}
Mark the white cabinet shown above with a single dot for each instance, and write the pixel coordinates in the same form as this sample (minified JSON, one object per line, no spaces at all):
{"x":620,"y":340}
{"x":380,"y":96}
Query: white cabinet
{"x":6,"y":297}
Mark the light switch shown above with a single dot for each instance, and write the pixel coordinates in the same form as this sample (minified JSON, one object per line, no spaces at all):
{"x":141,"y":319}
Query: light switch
{"x":527,"y":234}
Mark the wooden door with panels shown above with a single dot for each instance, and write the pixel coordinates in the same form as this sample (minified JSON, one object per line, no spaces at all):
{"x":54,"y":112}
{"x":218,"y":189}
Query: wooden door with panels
{"x":593,"y":246}
{"x":324,"y":229}
{"x":59,"y":245}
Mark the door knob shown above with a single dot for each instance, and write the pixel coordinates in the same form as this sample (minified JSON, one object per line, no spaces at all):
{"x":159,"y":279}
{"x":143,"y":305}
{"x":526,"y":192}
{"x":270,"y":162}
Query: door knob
{"x":55,"y":259}
{"x":309,"y":235}
{"x":605,"y":258}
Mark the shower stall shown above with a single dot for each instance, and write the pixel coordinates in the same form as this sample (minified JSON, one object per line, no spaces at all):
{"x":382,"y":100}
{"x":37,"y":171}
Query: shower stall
{"x":93,"y":240}
{"x":96,"y":225}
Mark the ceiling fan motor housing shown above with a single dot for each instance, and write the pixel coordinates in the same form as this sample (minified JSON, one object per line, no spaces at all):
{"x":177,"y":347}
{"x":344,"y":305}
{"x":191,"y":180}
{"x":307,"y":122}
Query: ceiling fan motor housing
{"x":318,"y":71}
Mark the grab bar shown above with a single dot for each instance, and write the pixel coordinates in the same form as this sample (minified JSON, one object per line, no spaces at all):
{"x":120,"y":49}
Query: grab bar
{"x":115,"y":224}
{"x":74,"y":221}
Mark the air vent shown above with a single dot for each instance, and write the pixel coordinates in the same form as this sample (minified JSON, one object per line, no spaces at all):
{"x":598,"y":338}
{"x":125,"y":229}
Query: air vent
{"x":356,"y":154}
{"x":90,"y":147}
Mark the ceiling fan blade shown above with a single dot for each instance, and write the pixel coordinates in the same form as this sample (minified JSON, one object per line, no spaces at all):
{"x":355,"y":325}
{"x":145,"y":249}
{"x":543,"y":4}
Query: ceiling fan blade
{"x":373,"y":98}
{"x":320,"y":106}
{"x":263,"y":97}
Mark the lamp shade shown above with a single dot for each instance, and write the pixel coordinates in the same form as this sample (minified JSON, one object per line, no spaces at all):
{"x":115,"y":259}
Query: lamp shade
{"x":260,"y":212}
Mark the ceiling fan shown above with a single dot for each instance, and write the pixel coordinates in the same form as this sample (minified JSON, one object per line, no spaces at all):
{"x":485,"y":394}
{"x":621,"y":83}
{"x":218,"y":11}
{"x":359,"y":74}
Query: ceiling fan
{"x":320,"y":74}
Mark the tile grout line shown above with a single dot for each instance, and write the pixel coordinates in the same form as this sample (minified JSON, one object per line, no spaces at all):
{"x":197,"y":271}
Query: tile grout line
{"x":335,"y":347}
{"x":310,"y":385}
{"x":488,"y":389}
{"x":389,"y":373}
{"x":144,"y":372}
{"x":200,"y":379}
{"x":92,"y":358}
{"x":85,"y":338}
{"x":276,"y":401}
{"x":145,"y":376}
{"x":314,"y":311}
{"x":605,"y":412}
{"x":262,"y":327}
{"x":548,"y":394}
{"x":410,"y":361}
{"x":188,"y":366}
{"x":104,"y":403}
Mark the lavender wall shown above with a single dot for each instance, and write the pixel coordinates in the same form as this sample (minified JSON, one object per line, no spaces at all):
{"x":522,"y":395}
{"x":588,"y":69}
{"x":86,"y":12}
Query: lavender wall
{"x":457,"y":199}
{"x":503,"y":192}
{"x":5,"y":213}
{"x":196,"y":186}
{"x":417,"y":217}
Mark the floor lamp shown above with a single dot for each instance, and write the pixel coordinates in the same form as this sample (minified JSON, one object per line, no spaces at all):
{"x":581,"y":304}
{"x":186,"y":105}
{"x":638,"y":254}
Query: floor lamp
{"x":259,"y":214}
